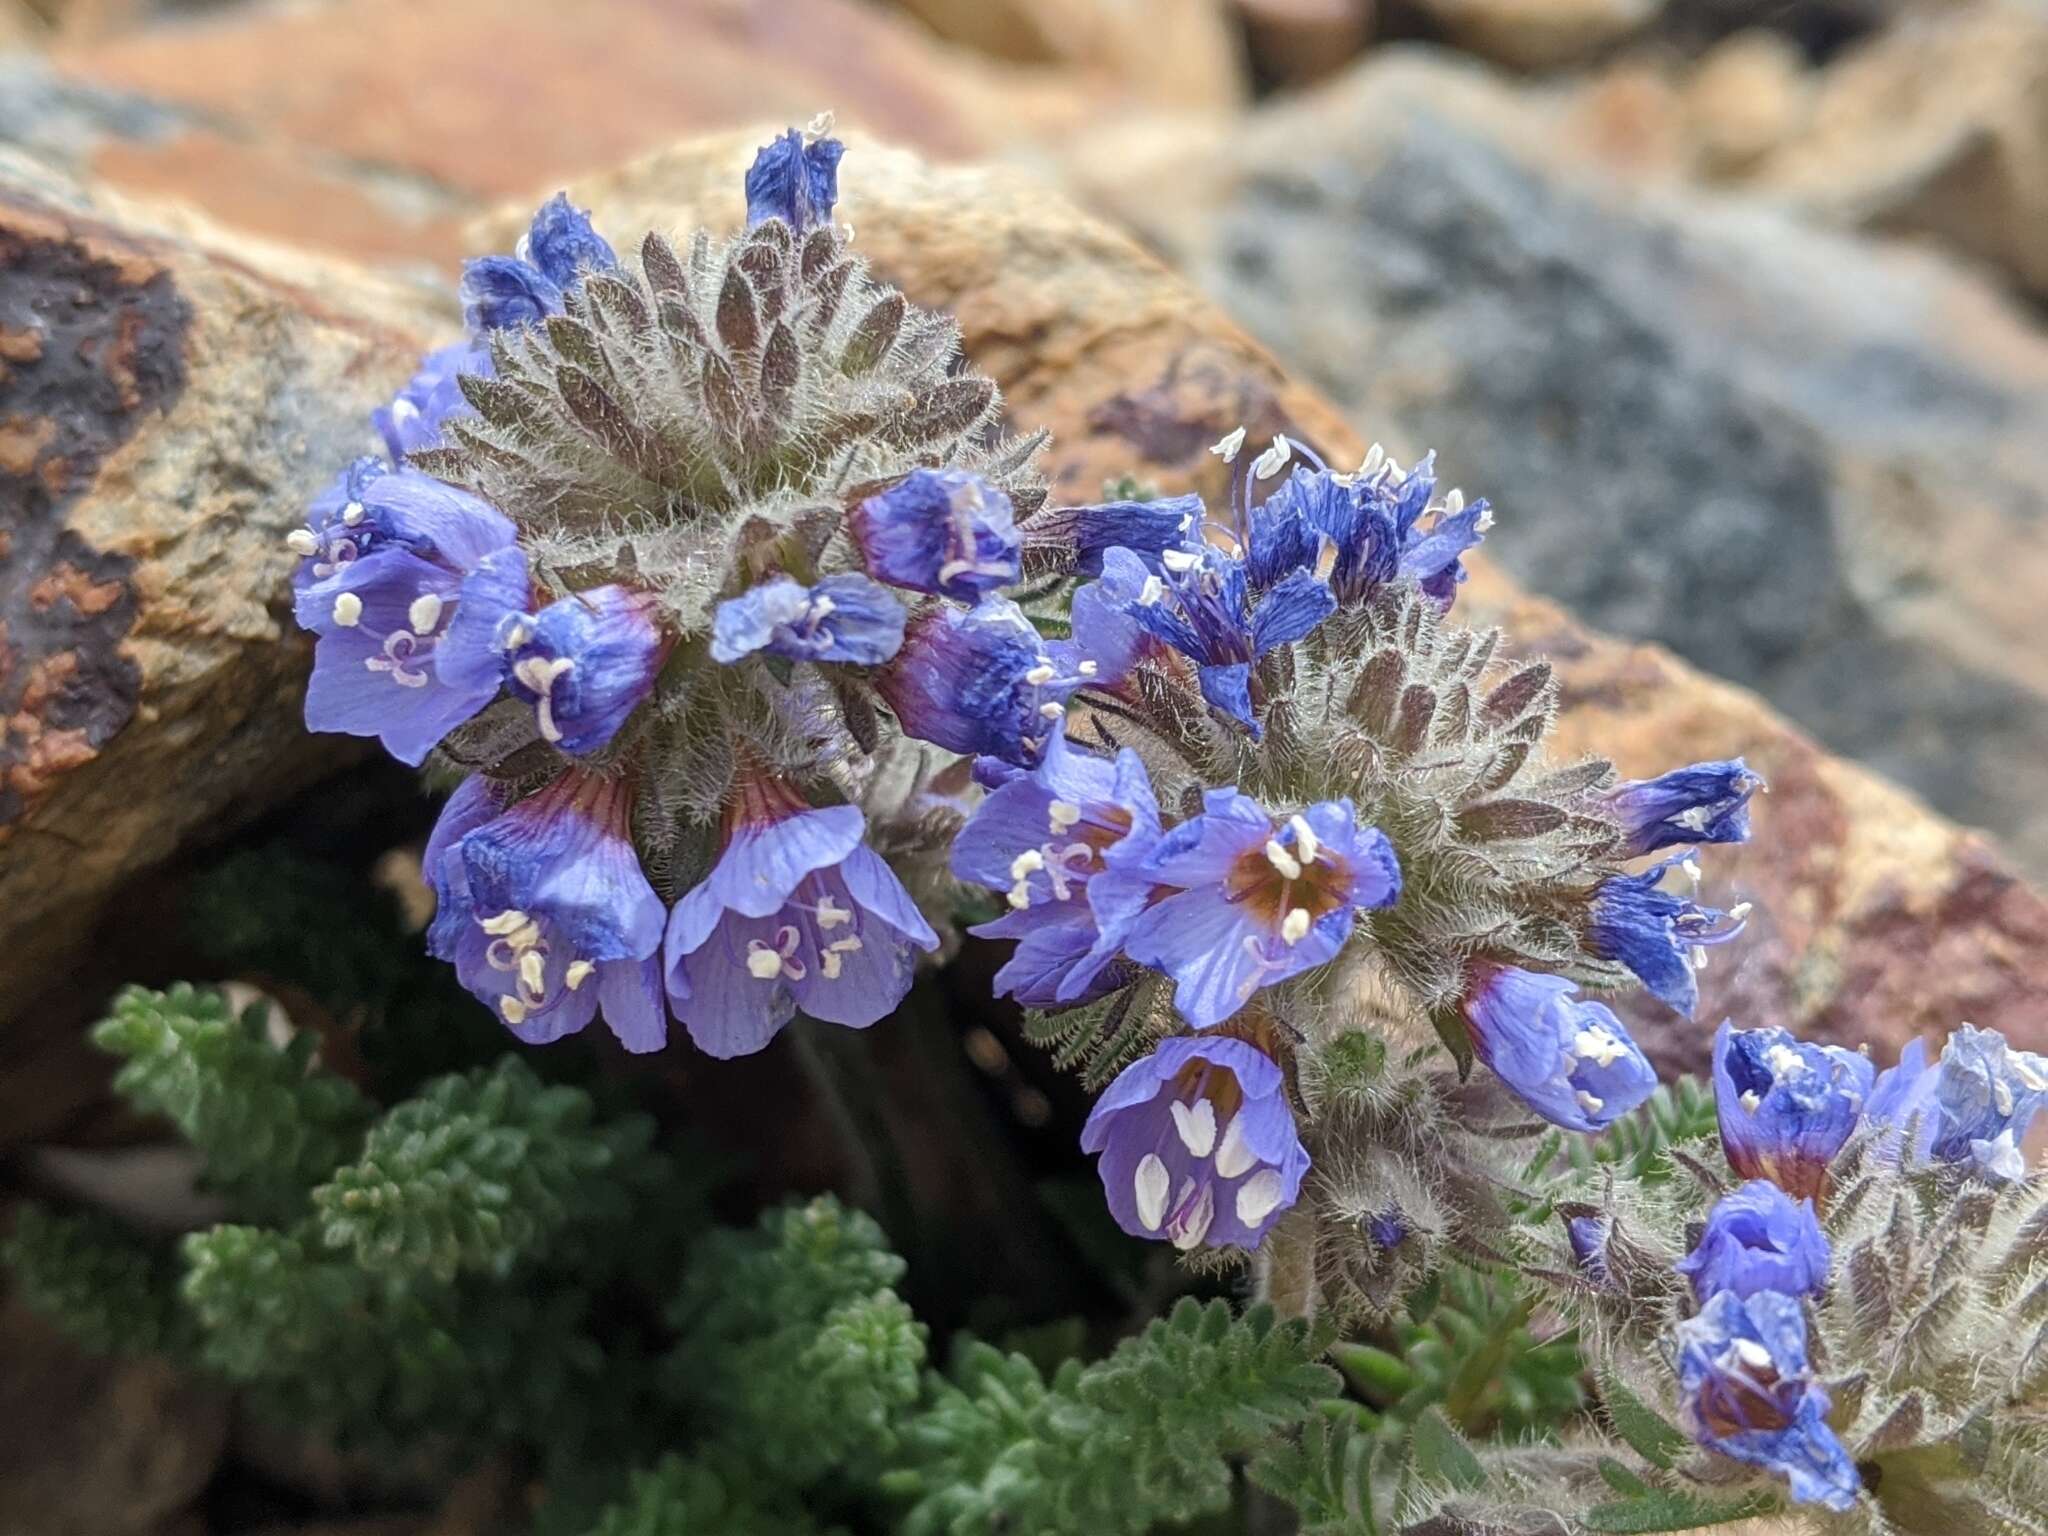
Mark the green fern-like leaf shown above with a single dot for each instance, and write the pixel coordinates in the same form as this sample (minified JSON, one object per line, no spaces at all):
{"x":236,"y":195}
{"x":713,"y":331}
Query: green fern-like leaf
{"x":687,"y":1497}
{"x":1117,"y":1447}
{"x":1325,"y":1474}
{"x":106,"y":1287}
{"x":1635,"y":1146}
{"x":478,"y":1173}
{"x":270,"y":1123}
{"x":793,"y":1343}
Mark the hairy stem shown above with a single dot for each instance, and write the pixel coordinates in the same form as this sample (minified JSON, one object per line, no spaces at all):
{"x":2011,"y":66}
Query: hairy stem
{"x":1287,"y":1266}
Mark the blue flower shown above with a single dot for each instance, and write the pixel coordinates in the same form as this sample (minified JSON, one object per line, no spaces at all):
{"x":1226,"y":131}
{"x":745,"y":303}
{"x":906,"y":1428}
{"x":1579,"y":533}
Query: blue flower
{"x":1198,"y":1144}
{"x":1364,"y":530}
{"x":797,"y":913}
{"x":1202,"y":608}
{"x":500,"y":292}
{"x":1749,"y":1394}
{"x":338,"y":528}
{"x":1256,"y":900}
{"x":1076,"y":538}
{"x":389,"y":578}
{"x":585,"y":662}
{"x":1656,"y":934}
{"x":982,"y":681}
{"x":1705,"y":803}
{"x":847,"y":618}
{"x":545,"y":912}
{"x":948,"y":532}
{"x":1063,"y":841}
{"x":1586,"y":1237}
{"x":413,"y":419}
{"x":1985,"y":1098}
{"x":1571,"y":1062}
{"x":1903,"y":1099}
{"x":1758,"y":1239}
{"x":1104,"y":631}
{"x":795,"y":179}
{"x":1786,"y":1107}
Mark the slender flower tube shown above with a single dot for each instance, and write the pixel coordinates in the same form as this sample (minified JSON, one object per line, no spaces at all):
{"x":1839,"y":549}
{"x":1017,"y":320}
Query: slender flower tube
{"x":1256,"y":899}
{"x":1571,"y":1062}
{"x":1786,"y":1107}
{"x":413,"y":418}
{"x":1077,"y":538}
{"x":1198,"y":1145}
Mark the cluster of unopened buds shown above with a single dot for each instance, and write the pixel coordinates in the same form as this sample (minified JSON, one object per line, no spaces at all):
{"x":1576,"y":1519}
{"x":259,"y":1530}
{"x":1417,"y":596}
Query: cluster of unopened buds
{"x":1140,"y":740}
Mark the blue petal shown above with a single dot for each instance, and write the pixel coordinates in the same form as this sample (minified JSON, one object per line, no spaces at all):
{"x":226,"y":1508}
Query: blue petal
{"x":947,"y":532}
{"x":1228,"y":688}
{"x":629,"y":993}
{"x":613,"y":649}
{"x":1291,"y":611}
{"x":1198,"y":938}
{"x":562,"y":243}
{"x":794,"y":181}
{"x":765,"y":860}
{"x":470,"y":655}
{"x":503,"y":292}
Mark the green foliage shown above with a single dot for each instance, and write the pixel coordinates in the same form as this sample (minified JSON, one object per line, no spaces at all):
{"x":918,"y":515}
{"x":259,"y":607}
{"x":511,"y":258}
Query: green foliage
{"x":269,"y":1124}
{"x":1637,"y":1145}
{"x":1325,"y":1473}
{"x":479,"y":1173}
{"x":110,"y":1290}
{"x":793,"y":1343}
{"x":1467,"y":1347}
{"x":681,"y":1497}
{"x":1118,"y":1446}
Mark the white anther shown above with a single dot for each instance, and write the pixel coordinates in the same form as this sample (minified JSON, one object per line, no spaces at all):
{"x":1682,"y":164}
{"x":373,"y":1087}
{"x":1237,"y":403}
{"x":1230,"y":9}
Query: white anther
{"x":424,"y":614}
{"x":511,"y":920}
{"x":1020,"y":895}
{"x":819,"y":608}
{"x":1751,"y":1100}
{"x":533,"y":971}
{"x":830,"y":914}
{"x":1592,"y":1104}
{"x":1784,"y":1061}
{"x":1294,"y":926}
{"x":517,"y":633}
{"x":1226,"y":447}
{"x":819,"y":127}
{"x":1061,"y":814}
{"x":1196,"y":1125}
{"x":1274,"y":459}
{"x":1485,"y":522}
{"x":1029,"y":862}
{"x":1752,"y":1354}
{"x":300,"y":541}
{"x":578,"y":974}
{"x":1149,"y":1184}
{"x":763,"y":963}
{"x":1454,"y":503}
{"x":352,"y":514}
{"x":1151,"y":591}
{"x":1258,"y":1195}
{"x":834,"y":955}
{"x":1375,"y":456}
{"x":1599,"y":1045}
{"x":511,"y":1009}
{"x":1189,"y":1227}
{"x":1052,"y":711}
{"x":348,"y":610}
{"x":1179,"y":560}
{"x":1233,"y":1156}
{"x":1087,"y":669}
{"x":1691,"y":866}
{"x":1699,"y":957}
{"x":540,"y":673}
{"x":1041,"y":674}
{"x":1278,"y":856}
{"x":1739,"y":911}
{"x":1305,"y":844}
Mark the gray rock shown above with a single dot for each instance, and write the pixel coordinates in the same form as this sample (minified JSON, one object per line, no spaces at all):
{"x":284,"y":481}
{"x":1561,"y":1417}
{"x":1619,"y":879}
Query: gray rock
{"x":1811,"y":464}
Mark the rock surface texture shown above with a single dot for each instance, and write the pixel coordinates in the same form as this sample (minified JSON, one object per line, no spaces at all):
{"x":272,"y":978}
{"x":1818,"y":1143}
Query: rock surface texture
{"x":1810,"y":464}
{"x":165,"y":411}
{"x":1878,"y":920}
